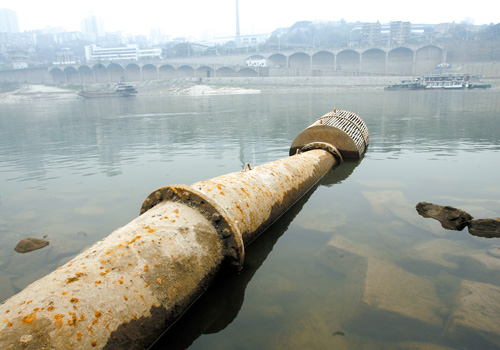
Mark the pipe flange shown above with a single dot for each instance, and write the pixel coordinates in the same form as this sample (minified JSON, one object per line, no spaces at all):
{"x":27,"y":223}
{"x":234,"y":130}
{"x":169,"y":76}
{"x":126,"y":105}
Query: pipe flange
{"x":324,"y":146}
{"x":234,"y":249}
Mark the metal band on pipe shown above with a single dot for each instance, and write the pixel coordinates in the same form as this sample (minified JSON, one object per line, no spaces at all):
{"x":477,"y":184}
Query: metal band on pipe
{"x":213,"y":212}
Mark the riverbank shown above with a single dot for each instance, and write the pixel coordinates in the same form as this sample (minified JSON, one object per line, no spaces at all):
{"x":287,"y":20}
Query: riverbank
{"x":180,"y":87}
{"x":216,"y":86}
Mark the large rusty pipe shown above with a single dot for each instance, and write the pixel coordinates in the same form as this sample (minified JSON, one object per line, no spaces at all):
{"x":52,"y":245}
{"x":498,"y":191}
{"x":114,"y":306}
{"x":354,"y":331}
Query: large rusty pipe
{"x":125,"y":290}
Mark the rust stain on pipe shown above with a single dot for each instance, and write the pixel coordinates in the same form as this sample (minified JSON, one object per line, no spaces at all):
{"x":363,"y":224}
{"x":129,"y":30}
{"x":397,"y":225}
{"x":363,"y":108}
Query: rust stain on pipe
{"x":129,"y":286}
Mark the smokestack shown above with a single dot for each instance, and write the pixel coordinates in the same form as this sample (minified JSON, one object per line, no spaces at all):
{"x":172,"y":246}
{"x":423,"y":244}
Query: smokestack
{"x":238,"y":39}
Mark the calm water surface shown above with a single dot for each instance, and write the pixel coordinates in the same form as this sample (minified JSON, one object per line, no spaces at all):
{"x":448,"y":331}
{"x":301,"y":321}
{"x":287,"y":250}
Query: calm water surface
{"x":351,"y":266}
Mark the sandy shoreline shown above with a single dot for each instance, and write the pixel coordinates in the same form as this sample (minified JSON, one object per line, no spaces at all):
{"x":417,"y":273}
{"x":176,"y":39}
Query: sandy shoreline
{"x":46,"y":92}
{"x":210,"y":87}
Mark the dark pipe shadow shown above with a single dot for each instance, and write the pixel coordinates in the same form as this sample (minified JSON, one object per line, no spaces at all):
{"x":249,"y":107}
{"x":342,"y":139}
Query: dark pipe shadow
{"x":221,"y":303}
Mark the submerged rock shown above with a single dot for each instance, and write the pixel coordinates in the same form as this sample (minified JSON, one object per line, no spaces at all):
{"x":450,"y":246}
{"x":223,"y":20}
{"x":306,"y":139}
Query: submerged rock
{"x":474,"y":320}
{"x":394,"y":303}
{"x":450,"y":218}
{"x":30,"y":244}
{"x":489,"y":228}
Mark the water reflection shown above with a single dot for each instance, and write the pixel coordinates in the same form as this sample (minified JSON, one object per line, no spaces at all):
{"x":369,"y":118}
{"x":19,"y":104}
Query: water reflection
{"x":86,"y":166}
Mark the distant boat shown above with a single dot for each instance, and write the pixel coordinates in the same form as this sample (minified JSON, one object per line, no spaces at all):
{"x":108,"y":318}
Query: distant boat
{"x":121,"y":90}
{"x":406,"y":85}
{"x":447,"y":81}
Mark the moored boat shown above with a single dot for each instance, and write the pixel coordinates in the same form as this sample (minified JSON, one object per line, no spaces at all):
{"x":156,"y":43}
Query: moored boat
{"x":406,"y":85}
{"x":439,"y":81}
{"x":121,"y":90}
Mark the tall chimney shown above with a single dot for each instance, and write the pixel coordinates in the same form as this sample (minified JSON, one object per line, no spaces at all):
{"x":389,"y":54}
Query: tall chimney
{"x":238,"y":39}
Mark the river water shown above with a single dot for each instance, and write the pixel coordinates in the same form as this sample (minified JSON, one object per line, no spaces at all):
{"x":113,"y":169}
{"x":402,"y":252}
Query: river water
{"x":351,"y":266}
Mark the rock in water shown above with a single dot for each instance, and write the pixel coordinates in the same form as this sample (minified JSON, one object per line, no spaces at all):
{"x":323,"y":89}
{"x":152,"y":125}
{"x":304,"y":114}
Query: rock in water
{"x":449,"y":217}
{"x":488,"y":228}
{"x":30,"y":244}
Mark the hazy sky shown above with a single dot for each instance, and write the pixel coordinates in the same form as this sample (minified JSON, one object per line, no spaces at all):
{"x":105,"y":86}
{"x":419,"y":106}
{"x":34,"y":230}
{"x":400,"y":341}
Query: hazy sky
{"x":204,"y":18}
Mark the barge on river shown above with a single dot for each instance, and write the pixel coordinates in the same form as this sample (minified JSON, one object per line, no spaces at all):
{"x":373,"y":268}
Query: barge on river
{"x":438,"y":81}
{"x":121,"y":90}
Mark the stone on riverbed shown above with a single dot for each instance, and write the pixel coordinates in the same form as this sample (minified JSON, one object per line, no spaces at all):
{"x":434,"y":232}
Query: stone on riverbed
{"x":474,"y":321}
{"x":482,"y":266}
{"x":30,"y":244}
{"x":343,"y":255}
{"x":449,"y":217}
{"x":427,"y":256}
{"x":394,"y":303}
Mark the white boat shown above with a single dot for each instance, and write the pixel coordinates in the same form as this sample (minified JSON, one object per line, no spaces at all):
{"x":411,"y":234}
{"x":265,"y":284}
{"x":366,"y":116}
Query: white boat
{"x":445,"y":81}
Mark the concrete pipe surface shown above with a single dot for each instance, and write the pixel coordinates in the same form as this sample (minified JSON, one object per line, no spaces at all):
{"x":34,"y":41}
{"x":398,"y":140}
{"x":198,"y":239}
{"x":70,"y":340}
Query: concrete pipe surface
{"x":122,"y":292}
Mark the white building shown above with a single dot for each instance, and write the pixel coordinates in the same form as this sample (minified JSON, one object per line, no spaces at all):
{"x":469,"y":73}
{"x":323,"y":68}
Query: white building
{"x":125,"y":53}
{"x":253,"y":40}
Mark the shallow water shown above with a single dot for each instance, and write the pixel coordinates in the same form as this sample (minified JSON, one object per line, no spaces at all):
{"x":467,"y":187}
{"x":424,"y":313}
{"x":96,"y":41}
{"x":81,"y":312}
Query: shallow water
{"x":77,"y":170}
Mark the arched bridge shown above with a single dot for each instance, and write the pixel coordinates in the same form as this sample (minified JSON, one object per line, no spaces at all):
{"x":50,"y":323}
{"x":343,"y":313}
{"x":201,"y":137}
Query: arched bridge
{"x":407,"y":60}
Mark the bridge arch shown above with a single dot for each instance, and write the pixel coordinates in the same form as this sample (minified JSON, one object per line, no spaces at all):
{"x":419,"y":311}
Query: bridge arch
{"x":57,"y":75}
{"x":400,"y":61}
{"x":277,"y":60}
{"x":323,"y":60}
{"x":72,"y":75}
{"x":132,"y":72}
{"x":116,"y":72}
{"x":373,"y":61}
{"x":167,"y":71}
{"x":149,"y":72}
{"x":247,"y":72}
{"x":101,"y":74}
{"x":204,"y":72}
{"x":86,"y":75}
{"x":299,"y":60}
{"x":185,"y":71}
{"x":348,"y":60}
{"x":427,"y":58}
{"x":225,"y":72}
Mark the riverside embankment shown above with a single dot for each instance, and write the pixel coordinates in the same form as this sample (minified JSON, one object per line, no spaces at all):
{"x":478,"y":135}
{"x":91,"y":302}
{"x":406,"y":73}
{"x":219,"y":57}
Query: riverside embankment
{"x":216,"y":86}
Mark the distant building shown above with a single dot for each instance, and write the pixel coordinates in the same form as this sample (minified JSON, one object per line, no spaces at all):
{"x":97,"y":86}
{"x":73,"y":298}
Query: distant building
{"x":92,"y":27}
{"x":141,"y":40}
{"x":400,"y":33}
{"x":124,"y":53}
{"x":65,"y":56}
{"x":114,"y":39}
{"x":371,"y":34}
{"x":245,"y":40}
{"x":150,"y":54}
{"x":8,"y":21}
{"x":253,"y":40}
{"x":19,"y":58}
{"x":157,"y":37}
{"x":18,"y":40}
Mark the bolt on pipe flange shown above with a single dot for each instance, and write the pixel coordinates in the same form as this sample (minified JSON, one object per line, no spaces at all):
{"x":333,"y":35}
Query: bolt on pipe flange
{"x":213,"y":212}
